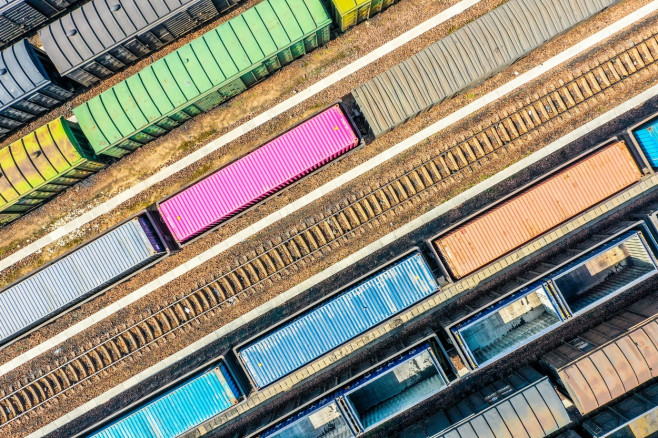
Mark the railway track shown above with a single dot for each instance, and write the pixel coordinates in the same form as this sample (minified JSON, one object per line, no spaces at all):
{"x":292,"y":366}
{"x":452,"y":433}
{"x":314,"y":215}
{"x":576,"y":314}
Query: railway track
{"x":352,"y":217}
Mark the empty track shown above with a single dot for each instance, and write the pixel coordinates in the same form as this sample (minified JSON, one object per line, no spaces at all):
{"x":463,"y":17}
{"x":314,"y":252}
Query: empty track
{"x":351,"y":217}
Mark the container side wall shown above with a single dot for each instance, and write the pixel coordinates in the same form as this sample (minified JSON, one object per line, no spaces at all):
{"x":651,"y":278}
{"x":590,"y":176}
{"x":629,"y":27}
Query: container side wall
{"x":465,"y":57}
{"x":250,"y":179}
{"x":179,"y":410}
{"x":345,"y":316}
{"x":77,"y":275}
{"x":538,"y":209}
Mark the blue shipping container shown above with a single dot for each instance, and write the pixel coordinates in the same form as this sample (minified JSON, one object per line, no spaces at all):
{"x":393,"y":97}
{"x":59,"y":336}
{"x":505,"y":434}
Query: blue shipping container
{"x":647,"y":137}
{"x":82,"y":272}
{"x":179,"y":410}
{"x":356,"y":310}
{"x":508,"y":323}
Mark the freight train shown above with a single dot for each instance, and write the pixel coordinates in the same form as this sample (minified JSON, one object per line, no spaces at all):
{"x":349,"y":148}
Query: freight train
{"x":222,"y":63}
{"x":567,"y":287}
{"x":373,"y":393}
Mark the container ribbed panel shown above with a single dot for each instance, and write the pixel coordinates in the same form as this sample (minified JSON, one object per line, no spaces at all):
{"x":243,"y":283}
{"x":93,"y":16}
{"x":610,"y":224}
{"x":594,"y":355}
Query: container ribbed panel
{"x":80,"y":273}
{"x":345,"y":316}
{"x":179,"y":410}
{"x":259,"y":174}
{"x":538,"y":209}
{"x":466,"y":57}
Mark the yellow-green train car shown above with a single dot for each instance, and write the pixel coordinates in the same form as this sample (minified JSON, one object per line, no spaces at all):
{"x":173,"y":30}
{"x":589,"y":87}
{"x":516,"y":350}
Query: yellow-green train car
{"x":42,"y":164}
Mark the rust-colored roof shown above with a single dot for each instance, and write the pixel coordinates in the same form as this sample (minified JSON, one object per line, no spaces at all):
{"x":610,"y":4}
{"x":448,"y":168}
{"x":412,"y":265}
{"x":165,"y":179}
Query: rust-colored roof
{"x":538,"y":209}
{"x":594,"y":375}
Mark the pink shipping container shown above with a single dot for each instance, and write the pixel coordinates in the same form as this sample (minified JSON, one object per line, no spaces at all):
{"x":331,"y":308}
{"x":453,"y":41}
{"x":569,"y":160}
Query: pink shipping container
{"x":248,"y":180}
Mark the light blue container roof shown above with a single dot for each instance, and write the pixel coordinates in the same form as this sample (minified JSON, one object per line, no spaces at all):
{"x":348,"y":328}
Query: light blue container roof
{"x":647,"y":137}
{"x":345,"y":316}
{"x":179,"y":410}
{"x":86,"y":270}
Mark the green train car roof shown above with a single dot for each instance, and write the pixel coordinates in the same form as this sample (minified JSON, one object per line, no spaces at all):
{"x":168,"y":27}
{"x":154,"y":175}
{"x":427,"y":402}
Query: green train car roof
{"x":36,"y":159}
{"x":206,"y":63}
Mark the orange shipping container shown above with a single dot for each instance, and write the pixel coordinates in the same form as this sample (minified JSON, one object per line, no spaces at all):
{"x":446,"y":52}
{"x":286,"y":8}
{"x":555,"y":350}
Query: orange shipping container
{"x":538,"y":209}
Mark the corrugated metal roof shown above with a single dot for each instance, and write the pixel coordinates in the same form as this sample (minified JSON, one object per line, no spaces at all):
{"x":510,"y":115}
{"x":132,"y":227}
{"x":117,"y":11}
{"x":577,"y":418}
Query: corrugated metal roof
{"x":466,"y":57}
{"x":101,"y":37}
{"x":253,"y":177}
{"x":201,"y":74}
{"x":179,"y":410}
{"x":26,"y":88}
{"x":345,"y":316}
{"x":83,"y":271}
{"x":610,"y":359}
{"x":17,"y":17}
{"x":647,"y":138}
{"x":634,"y":416}
{"x":42,"y":156}
{"x":523,"y":405}
{"x":538,"y":209}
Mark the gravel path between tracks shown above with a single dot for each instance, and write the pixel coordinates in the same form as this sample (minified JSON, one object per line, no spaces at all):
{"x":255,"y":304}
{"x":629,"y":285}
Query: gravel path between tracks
{"x":594,"y":108}
{"x":196,"y":133}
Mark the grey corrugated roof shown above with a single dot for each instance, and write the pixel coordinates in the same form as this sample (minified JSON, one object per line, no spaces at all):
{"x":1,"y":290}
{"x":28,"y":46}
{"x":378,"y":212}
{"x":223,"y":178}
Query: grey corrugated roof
{"x":83,"y":271}
{"x":523,"y":405}
{"x":115,"y":33}
{"x":610,"y":359}
{"x":18,"y":17}
{"x":466,"y":57}
{"x":21,"y":73}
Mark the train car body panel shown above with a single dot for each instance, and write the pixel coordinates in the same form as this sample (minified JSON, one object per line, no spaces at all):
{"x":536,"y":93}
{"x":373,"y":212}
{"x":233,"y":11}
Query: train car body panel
{"x":506,"y":325}
{"x":253,"y":177}
{"x":384,"y":394}
{"x":597,"y":269}
{"x":17,"y":17}
{"x":537,"y":209}
{"x":81,"y":273}
{"x":41,"y":165}
{"x":611,"y":359}
{"x":348,"y":13}
{"x":27,"y":89}
{"x":370,"y":399}
{"x":522,"y":405}
{"x":328,"y":325}
{"x":180,"y":409}
{"x":466,"y":57}
{"x":98,"y":39}
{"x":633,"y":417}
{"x":202,"y":74}
{"x":609,"y":271}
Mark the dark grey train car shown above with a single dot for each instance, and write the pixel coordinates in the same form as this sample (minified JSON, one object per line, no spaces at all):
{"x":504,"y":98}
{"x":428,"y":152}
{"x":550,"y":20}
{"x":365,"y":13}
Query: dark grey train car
{"x":100,"y":38}
{"x":521,"y":405}
{"x":29,"y":87}
{"x":17,"y":17}
{"x":467,"y":57}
